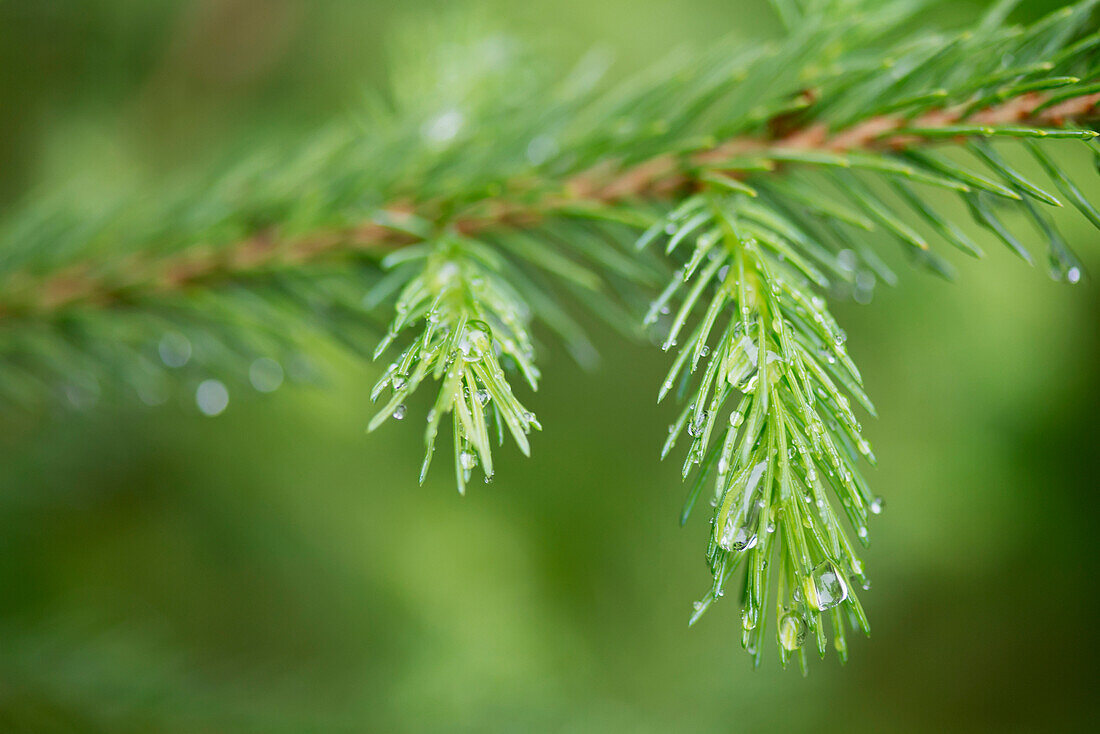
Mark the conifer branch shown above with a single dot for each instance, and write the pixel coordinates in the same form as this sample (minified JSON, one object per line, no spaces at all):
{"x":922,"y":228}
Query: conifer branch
{"x":767,"y":173}
{"x":658,"y":179}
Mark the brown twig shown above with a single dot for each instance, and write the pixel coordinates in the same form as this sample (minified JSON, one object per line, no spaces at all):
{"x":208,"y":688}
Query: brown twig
{"x":657,"y":178}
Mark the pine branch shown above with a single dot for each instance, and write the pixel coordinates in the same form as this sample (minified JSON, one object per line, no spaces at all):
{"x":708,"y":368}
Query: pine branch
{"x":659,"y":179}
{"x":763,"y":171}
{"x":470,"y":313}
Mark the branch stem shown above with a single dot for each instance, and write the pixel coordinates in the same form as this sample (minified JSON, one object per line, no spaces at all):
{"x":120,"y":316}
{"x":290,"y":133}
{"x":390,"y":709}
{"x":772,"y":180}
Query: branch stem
{"x":606,"y":184}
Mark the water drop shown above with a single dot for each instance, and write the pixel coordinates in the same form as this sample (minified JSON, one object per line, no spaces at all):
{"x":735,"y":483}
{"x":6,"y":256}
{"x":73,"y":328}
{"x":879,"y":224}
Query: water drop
{"x":483,"y":396}
{"x":1073,"y":275}
{"x":739,"y":540}
{"x":864,"y":289}
{"x":399,"y":412}
{"x":846,"y":259}
{"x":695,"y":428}
{"x":754,"y":478}
{"x":265,"y":374}
{"x":792,"y":631}
{"x":212,"y":397}
{"x":826,"y":587}
{"x":862,"y":532}
{"x":398,"y":381}
{"x":748,"y":619}
{"x":441,"y":130}
{"x":467,"y":460}
{"x":476,"y":340}
{"x":877,"y":504}
{"x":174,"y":349}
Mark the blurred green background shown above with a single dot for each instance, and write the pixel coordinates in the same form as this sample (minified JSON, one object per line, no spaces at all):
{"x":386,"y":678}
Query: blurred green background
{"x":275,"y":570}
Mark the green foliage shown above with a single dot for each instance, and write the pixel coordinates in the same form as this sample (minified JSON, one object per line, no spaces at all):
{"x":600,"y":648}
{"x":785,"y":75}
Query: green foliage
{"x":470,"y":314}
{"x":791,"y":440}
{"x":769,"y":174}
